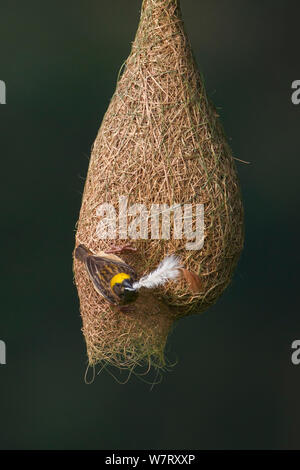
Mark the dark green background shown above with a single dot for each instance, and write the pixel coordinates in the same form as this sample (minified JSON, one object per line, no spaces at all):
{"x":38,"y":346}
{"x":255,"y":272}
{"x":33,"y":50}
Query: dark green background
{"x":234,"y":385}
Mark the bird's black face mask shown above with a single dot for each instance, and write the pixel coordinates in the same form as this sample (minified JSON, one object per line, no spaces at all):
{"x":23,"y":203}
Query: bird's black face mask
{"x":125,"y":292}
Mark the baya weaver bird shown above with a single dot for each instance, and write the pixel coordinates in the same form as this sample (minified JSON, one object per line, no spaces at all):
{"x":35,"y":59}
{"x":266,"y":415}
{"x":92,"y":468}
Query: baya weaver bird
{"x":118,"y":282}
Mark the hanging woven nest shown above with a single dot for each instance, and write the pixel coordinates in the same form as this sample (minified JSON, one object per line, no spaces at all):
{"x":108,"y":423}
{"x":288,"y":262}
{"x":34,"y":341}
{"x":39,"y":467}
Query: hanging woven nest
{"x":162,"y":146}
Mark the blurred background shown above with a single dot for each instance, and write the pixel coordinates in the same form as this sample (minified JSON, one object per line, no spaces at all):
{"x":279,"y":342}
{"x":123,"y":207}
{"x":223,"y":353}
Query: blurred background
{"x":234,"y":386}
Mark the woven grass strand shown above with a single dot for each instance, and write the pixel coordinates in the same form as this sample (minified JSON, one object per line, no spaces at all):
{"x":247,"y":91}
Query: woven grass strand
{"x":160,"y":142}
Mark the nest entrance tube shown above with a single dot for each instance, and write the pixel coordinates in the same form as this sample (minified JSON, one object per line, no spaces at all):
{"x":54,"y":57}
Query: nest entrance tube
{"x":160,"y":145}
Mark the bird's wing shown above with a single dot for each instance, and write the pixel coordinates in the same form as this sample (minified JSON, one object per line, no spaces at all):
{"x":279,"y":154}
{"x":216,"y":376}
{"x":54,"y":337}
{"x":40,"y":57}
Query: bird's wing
{"x":114,"y":266}
{"x":101,"y":270}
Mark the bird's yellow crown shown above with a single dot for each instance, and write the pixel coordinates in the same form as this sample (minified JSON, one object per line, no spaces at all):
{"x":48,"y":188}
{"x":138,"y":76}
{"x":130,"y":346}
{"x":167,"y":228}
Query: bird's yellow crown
{"x":118,"y":279}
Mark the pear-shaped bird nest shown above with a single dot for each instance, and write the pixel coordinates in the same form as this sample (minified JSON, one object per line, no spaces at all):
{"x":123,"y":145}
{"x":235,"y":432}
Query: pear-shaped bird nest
{"x":161,"y":178}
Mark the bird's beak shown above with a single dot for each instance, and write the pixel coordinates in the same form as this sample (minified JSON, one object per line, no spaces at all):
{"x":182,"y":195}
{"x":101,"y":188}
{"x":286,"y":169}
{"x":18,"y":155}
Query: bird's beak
{"x":128,"y":286}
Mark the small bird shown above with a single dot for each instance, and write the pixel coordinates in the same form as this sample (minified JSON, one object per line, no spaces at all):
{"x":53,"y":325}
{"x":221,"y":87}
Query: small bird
{"x":118,"y":282}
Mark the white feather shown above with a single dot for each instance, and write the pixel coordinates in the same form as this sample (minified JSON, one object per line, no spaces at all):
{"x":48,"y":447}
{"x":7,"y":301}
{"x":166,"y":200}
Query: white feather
{"x":167,"y":270}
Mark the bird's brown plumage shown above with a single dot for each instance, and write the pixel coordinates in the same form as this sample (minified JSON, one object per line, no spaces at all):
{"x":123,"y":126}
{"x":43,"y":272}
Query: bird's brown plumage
{"x":101,"y":269}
